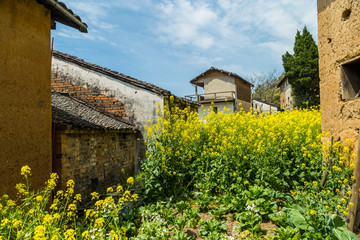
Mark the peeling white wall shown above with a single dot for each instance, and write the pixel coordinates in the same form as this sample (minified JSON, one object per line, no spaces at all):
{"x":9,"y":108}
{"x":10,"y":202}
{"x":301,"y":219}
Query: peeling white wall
{"x":140,"y":104}
{"x":262,"y":107}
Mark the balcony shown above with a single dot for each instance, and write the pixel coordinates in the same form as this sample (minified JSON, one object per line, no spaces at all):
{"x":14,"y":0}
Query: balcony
{"x":212,"y":97}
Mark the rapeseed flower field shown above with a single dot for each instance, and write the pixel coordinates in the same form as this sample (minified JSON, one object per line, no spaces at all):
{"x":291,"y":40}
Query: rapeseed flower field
{"x":225,"y":176}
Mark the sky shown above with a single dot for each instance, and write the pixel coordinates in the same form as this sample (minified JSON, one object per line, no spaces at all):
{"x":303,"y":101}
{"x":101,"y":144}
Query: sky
{"x":169,"y":42}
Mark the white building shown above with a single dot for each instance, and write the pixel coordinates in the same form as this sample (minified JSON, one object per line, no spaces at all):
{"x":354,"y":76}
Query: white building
{"x":263,"y":107}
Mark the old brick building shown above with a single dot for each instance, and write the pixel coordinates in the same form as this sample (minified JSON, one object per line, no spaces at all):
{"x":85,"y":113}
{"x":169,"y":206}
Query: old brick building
{"x":137,"y":98}
{"x":90,"y":147}
{"x":339,"y":66}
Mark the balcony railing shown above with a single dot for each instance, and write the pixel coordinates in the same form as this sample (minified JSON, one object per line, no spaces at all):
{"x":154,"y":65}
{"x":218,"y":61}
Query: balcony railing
{"x":215,"y":96}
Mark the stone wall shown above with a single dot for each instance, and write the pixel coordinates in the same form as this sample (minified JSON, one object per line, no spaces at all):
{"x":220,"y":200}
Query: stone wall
{"x":93,"y":159}
{"x":339,"y":37}
{"x":25,"y":94}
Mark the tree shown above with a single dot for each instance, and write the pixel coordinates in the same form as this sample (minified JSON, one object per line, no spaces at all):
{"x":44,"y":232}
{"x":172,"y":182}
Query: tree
{"x":266,"y":87}
{"x":302,"y":70}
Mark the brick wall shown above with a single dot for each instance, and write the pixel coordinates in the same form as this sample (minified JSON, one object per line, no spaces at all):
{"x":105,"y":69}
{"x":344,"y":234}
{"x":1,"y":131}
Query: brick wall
{"x":107,"y":105}
{"x":93,"y":159}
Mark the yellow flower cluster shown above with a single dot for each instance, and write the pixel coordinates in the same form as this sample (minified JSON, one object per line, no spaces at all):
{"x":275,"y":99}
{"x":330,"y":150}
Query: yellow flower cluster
{"x":184,"y":145}
{"x":35,"y":218}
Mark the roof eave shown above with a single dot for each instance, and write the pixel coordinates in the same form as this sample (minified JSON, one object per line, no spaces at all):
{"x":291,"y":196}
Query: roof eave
{"x":70,"y":20}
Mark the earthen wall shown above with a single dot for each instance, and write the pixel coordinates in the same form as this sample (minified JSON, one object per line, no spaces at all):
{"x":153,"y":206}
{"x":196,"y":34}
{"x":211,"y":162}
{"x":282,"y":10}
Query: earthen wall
{"x":339,"y":38}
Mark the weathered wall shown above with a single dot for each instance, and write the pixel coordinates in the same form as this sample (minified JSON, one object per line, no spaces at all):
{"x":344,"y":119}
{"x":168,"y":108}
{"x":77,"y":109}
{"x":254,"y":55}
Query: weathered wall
{"x":93,"y":159}
{"x":105,"y":104}
{"x":243,"y":91}
{"x":286,"y":101}
{"x":218,"y":82}
{"x":282,"y":96}
{"x":339,"y":37}
{"x":140,"y":104}
{"x":25,"y":112}
{"x":262,"y":107}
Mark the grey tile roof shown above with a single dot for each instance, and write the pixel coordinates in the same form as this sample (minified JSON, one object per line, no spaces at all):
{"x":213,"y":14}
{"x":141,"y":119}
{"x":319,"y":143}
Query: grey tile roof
{"x":222,"y":71}
{"x":283,"y":78}
{"x":116,"y":75}
{"x":62,"y":14}
{"x":67,"y":111}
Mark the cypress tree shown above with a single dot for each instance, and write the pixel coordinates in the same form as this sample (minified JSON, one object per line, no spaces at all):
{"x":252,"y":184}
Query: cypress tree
{"x":302,"y":70}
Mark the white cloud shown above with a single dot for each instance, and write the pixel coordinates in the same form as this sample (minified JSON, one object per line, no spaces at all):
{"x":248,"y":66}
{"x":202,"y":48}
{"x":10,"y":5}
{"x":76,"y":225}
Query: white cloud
{"x":185,"y":23}
{"x":233,"y":24}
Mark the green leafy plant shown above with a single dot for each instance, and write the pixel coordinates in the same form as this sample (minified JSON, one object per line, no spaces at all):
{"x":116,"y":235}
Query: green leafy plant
{"x":209,"y":227}
{"x":218,"y":213}
{"x":192,"y":216}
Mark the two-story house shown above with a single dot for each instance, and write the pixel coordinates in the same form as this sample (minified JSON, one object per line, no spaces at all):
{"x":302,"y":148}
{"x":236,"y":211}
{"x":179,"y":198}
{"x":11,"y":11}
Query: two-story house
{"x":222,"y":89}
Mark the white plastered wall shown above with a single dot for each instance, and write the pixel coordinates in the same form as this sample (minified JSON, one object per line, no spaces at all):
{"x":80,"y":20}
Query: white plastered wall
{"x":140,"y":104}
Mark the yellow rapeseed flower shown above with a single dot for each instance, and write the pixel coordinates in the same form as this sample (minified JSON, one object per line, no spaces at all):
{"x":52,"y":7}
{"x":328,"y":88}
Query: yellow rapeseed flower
{"x":70,"y":234}
{"x":130,"y":181}
{"x":26,"y":171}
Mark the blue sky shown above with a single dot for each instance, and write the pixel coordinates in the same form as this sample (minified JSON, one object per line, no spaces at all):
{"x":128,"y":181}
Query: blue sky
{"x":169,"y":42}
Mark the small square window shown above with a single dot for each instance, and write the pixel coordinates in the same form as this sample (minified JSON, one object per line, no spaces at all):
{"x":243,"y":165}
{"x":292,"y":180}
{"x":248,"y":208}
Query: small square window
{"x":350,"y":80}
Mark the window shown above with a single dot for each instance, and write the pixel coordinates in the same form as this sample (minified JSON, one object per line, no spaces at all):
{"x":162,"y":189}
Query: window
{"x":350,"y":80}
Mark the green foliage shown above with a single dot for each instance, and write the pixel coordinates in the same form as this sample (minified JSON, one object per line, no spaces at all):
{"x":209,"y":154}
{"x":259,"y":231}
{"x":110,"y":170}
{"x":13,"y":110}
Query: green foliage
{"x":266,"y":87}
{"x":302,"y":70}
{"x":192,"y":216}
{"x":315,"y":225}
{"x":209,"y":227}
{"x":222,"y":152}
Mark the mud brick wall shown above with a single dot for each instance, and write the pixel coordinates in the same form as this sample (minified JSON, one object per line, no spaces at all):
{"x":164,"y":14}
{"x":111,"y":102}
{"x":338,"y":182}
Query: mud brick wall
{"x":93,"y":159}
{"x":339,"y":43}
{"x":25,"y":99}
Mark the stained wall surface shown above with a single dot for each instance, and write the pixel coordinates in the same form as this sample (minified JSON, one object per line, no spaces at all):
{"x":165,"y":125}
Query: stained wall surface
{"x":25,"y":100}
{"x":219,"y":83}
{"x":140,"y":104}
{"x":93,"y":159}
{"x":286,"y":101}
{"x":339,"y":38}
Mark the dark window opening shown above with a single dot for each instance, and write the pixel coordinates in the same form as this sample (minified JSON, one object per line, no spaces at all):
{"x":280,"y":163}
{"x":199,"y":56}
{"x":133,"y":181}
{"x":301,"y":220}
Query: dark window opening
{"x":350,"y":80}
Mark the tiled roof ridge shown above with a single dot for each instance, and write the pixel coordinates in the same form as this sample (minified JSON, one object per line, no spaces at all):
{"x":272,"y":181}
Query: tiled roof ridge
{"x":111,"y":73}
{"x":92,"y":107}
{"x":127,"y":125}
{"x":222,"y":71}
